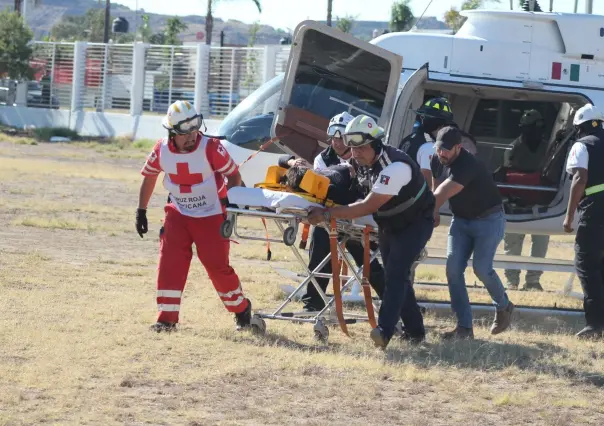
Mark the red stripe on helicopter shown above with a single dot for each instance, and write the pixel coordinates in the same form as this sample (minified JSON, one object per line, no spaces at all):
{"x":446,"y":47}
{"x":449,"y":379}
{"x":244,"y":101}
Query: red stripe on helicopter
{"x":556,"y":70}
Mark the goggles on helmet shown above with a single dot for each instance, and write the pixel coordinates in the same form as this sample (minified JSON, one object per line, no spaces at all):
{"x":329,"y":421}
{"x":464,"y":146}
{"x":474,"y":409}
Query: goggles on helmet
{"x":335,"y":131}
{"x":188,"y":126}
{"x":358,"y":139}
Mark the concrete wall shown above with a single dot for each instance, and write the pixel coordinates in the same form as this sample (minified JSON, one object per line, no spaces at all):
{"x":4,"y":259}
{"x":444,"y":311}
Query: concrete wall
{"x":90,"y":123}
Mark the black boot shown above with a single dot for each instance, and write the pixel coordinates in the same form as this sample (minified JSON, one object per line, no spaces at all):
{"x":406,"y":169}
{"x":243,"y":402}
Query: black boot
{"x":163,"y":326}
{"x":590,"y":332}
{"x":243,"y":319}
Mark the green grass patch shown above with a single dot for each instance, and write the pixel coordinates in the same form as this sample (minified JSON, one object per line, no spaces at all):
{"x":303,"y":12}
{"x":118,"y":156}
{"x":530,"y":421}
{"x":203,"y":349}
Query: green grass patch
{"x":45,"y":133}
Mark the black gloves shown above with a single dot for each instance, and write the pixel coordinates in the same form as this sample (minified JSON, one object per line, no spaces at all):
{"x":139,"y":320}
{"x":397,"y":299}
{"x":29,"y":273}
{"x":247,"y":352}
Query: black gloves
{"x":141,"y":222}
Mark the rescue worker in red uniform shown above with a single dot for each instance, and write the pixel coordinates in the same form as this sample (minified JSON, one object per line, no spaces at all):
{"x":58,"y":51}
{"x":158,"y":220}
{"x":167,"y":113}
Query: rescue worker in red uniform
{"x":197,"y":173}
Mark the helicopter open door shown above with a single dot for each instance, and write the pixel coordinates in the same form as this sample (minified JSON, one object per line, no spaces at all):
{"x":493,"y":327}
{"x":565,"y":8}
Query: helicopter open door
{"x":329,"y":72}
{"x":410,"y":99}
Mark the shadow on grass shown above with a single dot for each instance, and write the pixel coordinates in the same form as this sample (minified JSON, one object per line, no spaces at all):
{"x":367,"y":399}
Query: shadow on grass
{"x":476,"y":355}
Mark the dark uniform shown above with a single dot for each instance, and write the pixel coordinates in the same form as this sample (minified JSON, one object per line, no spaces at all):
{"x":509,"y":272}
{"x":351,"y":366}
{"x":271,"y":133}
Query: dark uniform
{"x":320,"y":248}
{"x":589,"y":241}
{"x":405,"y":223}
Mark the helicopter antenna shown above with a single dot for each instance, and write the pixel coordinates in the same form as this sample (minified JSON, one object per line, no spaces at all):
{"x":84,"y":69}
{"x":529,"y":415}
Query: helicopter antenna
{"x":422,"y":15}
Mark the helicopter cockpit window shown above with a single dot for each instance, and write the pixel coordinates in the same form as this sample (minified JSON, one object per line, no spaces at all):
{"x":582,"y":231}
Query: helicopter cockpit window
{"x":249,"y":124}
{"x":334,"y":76}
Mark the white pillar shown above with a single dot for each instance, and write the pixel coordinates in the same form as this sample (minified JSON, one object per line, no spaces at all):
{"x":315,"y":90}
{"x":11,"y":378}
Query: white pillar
{"x":137,"y":90}
{"x":270,"y":62}
{"x":202,"y":71}
{"x":79,"y":72}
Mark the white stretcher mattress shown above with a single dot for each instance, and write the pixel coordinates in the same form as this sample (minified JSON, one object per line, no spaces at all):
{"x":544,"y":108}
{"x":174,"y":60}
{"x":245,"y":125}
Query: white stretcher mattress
{"x":259,"y":197}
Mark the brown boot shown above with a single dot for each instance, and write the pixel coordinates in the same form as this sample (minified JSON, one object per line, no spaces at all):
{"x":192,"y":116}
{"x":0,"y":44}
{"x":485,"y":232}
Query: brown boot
{"x":503,"y":319}
{"x":459,"y":332}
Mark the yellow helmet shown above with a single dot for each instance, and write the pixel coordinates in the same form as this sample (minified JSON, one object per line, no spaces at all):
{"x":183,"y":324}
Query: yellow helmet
{"x":362,"y":130}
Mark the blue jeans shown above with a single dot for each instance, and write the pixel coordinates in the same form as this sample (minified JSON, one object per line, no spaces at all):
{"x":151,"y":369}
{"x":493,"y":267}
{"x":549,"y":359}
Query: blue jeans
{"x":481,"y":236}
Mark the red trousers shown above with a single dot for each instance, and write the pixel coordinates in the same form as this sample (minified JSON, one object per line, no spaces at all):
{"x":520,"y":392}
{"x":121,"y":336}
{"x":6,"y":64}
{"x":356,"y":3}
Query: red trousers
{"x":175,"y":254}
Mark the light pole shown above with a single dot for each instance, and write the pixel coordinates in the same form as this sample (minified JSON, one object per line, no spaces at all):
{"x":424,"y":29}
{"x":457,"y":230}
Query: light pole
{"x":589,"y":6}
{"x":107,"y":19}
{"x":136,"y":20}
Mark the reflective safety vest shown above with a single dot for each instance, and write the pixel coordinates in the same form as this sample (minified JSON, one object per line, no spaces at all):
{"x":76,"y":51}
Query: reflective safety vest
{"x":413,"y":201}
{"x":191,"y":181}
{"x":591,"y":206}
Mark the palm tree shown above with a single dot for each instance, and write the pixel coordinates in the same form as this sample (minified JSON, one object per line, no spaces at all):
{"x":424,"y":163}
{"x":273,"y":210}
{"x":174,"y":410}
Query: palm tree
{"x":210,"y":19}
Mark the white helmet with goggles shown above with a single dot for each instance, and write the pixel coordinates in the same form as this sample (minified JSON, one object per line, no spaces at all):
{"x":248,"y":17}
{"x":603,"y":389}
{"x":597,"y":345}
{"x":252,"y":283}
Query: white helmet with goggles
{"x":182,"y":118}
{"x":337,"y":124}
{"x":362,"y":130}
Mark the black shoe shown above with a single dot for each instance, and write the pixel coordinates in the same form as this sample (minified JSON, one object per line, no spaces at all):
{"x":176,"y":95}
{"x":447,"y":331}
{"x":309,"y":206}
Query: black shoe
{"x":243,"y":319}
{"x":311,"y":308}
{"x":166,"y":327}
{"x":459,"y":332}
{"x":590,"y":332}
{"x":413,"y":339}
{"x":378,"y":337}
{"x":532,"y":286}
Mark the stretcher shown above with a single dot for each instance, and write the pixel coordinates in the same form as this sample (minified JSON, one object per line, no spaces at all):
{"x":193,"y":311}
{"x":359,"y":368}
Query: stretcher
{"x":288,"y":210}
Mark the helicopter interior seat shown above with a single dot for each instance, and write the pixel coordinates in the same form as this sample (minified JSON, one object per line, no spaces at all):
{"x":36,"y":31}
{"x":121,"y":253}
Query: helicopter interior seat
{"x":544,"y":184}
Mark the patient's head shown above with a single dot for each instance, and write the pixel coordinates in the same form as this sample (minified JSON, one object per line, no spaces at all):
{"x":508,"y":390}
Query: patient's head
{"x":293,"y":177}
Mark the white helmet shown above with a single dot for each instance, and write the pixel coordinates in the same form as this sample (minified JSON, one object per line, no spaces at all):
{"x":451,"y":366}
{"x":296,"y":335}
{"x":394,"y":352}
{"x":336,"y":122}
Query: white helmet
{"x":338,"y":123}
{"x":362,"y":130}
{"x":182,"y":118}
{"x":588,"y":112}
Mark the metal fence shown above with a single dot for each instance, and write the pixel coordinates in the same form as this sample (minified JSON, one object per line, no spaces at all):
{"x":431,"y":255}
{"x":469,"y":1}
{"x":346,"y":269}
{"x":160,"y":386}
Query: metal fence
{"x":103,"y":77}
{"x":52,"y":86}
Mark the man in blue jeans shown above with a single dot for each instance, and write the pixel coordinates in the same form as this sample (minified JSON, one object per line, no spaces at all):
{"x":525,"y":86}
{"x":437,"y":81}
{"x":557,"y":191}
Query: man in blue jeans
{"x":478,"y":226}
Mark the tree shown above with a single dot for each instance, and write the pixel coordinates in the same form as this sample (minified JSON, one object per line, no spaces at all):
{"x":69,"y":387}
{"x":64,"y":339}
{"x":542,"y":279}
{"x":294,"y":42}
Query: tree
{"x":90,"y":27}
{"x":401,"y":16}
{"x":345,"y":24}
{"x":453,"y":18}
{"x":15,"y":51}
{"x":145,"y":29}
{"x":174,"y":26}
{"x":210,"y":18}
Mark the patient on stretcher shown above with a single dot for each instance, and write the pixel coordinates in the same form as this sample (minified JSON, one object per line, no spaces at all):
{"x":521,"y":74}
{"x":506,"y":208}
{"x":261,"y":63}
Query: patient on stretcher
{"x":342,"y":188}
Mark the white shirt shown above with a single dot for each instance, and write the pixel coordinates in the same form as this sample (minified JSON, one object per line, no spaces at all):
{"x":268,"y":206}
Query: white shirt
{"x":577,"y":158}
{"x":424,"y":155}
{"x":320,"y":164}
{"x":392,"y":179}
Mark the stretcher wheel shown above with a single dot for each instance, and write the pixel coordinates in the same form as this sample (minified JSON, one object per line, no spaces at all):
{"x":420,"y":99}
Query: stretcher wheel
{"x":258,"y":325}
{"x":289,"y":236}
{"x":226,"y":229}
{"x":321,"y":331}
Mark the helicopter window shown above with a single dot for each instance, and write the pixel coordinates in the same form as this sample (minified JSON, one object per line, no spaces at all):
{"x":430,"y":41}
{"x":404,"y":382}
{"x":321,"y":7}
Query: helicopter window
{"x":500,"y":118}
{"x":333,"y":76}
{"x":249,"y":124}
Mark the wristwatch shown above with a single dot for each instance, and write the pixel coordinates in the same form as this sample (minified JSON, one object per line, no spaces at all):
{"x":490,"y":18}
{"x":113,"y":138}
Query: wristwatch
{"x":327,"y":215}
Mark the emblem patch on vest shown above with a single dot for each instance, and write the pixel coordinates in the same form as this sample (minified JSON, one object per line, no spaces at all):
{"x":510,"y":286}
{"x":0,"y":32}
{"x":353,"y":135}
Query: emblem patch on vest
{"x":384,"y":179}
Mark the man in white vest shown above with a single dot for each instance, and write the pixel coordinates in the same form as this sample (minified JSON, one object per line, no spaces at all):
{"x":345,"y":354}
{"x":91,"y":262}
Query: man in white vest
{"x":197,"y":173}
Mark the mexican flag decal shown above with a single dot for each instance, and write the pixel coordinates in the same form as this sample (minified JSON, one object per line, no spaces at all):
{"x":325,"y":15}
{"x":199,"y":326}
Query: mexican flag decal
{"x":565,"y":72}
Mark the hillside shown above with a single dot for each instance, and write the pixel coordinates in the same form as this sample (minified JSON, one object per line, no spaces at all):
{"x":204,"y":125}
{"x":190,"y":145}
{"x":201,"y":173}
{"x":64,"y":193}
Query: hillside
{"x":44,"y":17}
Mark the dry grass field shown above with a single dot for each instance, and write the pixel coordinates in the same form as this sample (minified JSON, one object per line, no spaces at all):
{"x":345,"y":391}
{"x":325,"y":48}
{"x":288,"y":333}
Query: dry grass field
{"x":78,"y":295}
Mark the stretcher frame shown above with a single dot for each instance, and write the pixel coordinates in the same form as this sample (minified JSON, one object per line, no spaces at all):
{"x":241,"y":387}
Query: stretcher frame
{"x":340,"y":232}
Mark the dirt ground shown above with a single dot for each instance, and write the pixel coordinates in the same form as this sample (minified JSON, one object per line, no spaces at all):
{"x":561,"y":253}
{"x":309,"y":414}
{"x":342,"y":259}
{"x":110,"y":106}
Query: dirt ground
{"x":78,"y":296}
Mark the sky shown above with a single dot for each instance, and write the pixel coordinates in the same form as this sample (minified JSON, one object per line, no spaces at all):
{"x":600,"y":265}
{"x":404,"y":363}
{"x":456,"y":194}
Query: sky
{"x":288,"y":13}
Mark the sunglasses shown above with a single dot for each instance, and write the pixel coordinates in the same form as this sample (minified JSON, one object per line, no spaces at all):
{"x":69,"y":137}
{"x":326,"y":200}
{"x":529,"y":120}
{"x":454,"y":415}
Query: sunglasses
{"x":188,"y":126}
